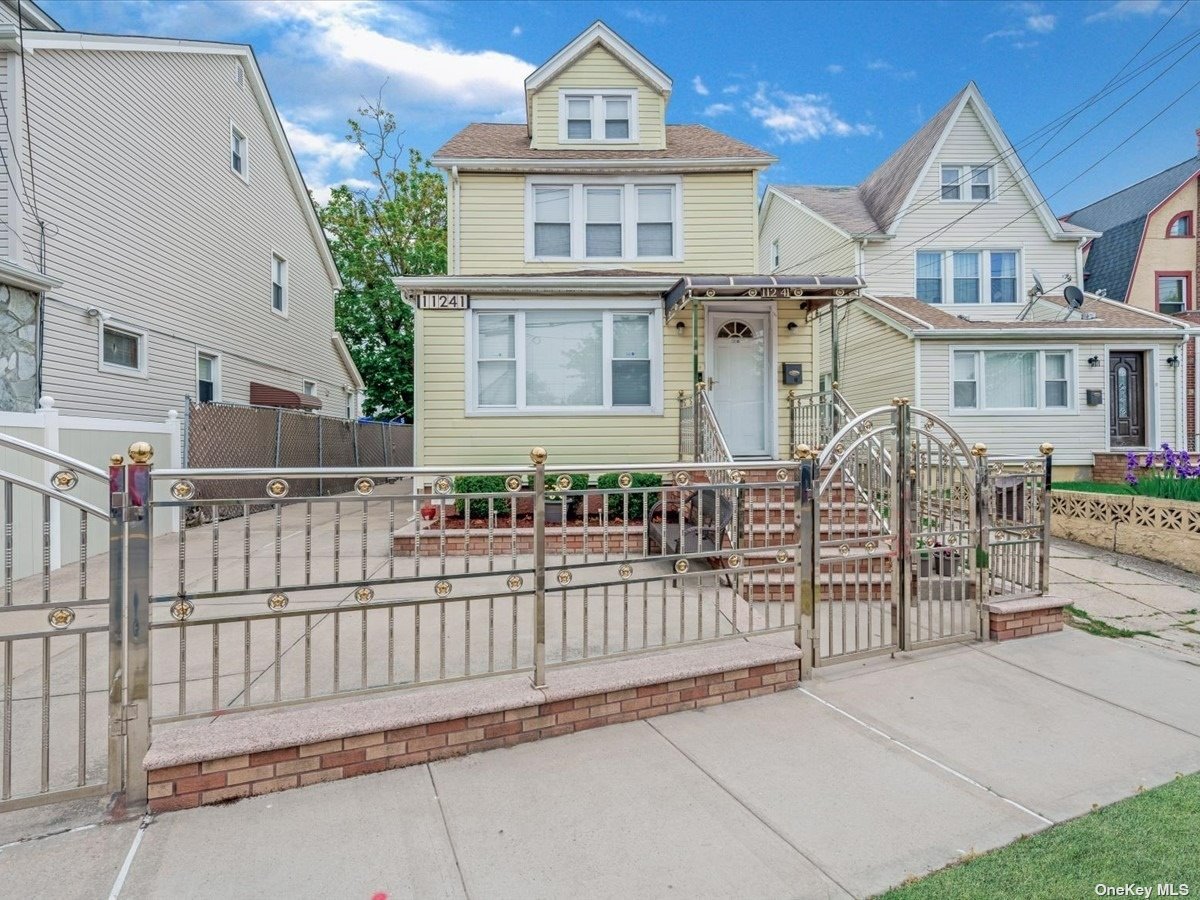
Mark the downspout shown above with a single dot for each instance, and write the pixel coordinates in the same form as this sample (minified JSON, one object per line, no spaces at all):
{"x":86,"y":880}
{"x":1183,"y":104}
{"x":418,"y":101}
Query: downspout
{"x":456,"y":197}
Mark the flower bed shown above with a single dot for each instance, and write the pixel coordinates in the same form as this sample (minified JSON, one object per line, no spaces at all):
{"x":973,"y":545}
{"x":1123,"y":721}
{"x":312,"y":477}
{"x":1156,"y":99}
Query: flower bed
{"x":1168,"y":474}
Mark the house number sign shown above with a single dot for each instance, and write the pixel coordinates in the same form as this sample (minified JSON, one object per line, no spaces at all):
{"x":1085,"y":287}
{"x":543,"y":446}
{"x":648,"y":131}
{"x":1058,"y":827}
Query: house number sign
{"x":444,"y":301}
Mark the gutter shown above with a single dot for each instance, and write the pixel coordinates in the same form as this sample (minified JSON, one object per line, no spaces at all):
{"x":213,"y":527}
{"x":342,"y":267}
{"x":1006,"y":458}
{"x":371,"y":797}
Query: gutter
{"x":492,"y":284}
{"x":535,"y":164}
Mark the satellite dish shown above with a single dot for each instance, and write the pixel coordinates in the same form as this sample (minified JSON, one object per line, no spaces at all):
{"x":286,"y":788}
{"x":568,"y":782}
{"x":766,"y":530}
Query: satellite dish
{"x":1037,"y":283}
{"x":1074,"y":296}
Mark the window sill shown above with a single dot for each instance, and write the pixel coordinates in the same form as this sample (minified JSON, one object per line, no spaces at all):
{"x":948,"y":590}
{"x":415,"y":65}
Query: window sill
{"x":979,"y":413}
{"x":604,"y":260}
{"x":109,"y":369}
{"x":499,"y":413}
{"x":597,"y":142}
{"x":244,"y":179}
{"x":282,"y":313}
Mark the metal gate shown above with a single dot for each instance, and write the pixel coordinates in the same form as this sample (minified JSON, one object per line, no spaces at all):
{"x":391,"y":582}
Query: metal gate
{"x":914,"y":532}
{"x":62,"y":649}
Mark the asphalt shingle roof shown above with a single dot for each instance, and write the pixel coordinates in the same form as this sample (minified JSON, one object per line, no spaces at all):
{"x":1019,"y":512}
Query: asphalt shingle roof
{"x":1107,"y":315}
{"x":489,"y":140}
{"x":1122,"y":218}
{"x":843,"y":206}
{"x":872,"y":207}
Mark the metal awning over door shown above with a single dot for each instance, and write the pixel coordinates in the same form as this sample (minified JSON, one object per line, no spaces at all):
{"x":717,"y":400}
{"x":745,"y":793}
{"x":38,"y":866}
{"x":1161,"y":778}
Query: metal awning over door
{"x":815,"y":290}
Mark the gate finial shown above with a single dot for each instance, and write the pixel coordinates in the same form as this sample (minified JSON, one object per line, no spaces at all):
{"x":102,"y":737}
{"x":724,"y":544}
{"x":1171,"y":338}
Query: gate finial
{"x":980,"y":449}
{"x":1046,"y":448}
{"x":802,"y":451}
{"x":140,"y":452}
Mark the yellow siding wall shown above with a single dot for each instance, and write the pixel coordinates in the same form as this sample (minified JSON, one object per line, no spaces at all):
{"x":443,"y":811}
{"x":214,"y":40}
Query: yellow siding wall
{"x":720,"y":227}
{"x":598,"y":69}
{"x":449,"y":437}
{"x":875,"y":361}
{"x":807,"y":246}
{"x":1163,"y":254}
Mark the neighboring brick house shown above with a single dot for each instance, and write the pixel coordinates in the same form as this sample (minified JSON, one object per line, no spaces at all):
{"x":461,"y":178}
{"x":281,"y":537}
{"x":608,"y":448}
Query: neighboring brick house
{"x":1148,"y":255}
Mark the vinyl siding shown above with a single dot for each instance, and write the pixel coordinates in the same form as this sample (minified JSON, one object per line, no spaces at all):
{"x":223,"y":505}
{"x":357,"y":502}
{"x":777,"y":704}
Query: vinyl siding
{"x":719,"y":226}
{"x":802,"y":236}
{"x":875,"y":363}
{"x":1160,"y":253}
{"x":450,"y":437}
{"x":149,"y":224}
{"x":1074,"y":435}
{"x":596,"y":70}
{"x":890,"y":266}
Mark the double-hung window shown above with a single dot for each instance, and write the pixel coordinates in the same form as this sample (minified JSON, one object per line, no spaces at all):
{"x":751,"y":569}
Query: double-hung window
{"x":1012,"y":379}
{"x":967,"y":276}
{"x":552,"y":221}
{"x":238,"y":159}
{"x":598,"y":116}
{"x":1172,"y":291}
{"x":604,"y":219}
{"x":603,"y":207}
{"x":960,"y":182}
{"x":206,"y":377}
{"x":775,"y":254}
{"x":279,"y":291}
{"x":555,"y":360}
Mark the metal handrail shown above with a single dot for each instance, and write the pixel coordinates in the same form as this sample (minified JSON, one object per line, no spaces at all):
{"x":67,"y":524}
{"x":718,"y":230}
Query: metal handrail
{"x":51,"y":456}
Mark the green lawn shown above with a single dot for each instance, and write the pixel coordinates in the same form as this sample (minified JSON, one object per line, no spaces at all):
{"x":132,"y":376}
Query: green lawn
{"x":1093,"y":487}
{"x":1149,"y":839}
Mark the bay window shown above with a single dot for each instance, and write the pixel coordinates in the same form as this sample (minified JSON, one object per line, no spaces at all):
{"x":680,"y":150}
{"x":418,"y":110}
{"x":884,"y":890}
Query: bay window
{"x":543,"y":358}
{"x":603,"y":219}
{"x":967,"y":276}
{"x":1015,"y":379}
{"x":598,"y":116}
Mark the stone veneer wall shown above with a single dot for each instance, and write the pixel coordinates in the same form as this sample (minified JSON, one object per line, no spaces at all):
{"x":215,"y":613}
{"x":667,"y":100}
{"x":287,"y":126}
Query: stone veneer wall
{"x":18,"y":349}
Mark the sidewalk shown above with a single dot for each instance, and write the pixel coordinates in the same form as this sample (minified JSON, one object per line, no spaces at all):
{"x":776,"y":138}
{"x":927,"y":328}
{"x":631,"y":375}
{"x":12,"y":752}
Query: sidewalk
{"x":867,"y":774}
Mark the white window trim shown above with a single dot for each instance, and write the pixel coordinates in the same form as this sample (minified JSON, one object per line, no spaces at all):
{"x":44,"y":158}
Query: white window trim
{"x":234,"y":129}
{"x":964,"y":181}
{"x":216,"y":358}
{"x":628,"y":217}
{"x":271,"y":286}
{"x":473,"y":409}
{"x":143,"y":336}
{"x":1041,"y":409}
{"x":597,"y":95}
{"x":985,"y":276}
{"x":775,"y":254}
{"x":304,"y":383}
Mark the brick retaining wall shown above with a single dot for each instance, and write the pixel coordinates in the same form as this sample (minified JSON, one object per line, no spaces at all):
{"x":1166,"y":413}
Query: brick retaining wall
{"x":1006,"y":626}
{"x":249,"y":774}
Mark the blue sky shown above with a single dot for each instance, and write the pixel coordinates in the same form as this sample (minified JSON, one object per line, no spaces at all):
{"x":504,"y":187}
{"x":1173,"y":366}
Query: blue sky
{"x":830,"y":88}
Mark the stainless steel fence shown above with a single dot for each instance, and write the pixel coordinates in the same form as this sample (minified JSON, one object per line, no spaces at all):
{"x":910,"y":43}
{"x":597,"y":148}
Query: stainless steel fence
{"x":815,"y":418}
{"x":56,"y":636}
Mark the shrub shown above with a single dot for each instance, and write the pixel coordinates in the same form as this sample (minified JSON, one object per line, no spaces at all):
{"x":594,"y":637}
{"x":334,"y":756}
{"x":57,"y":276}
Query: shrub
{"x":579,"y":482}
{"x":481,"y":484}
{"x":638,"y":501}
{"x":1170,"y":475}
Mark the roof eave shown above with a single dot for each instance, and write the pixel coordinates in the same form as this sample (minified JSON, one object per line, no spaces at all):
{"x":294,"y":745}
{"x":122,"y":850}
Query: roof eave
{"x":526,"y":164}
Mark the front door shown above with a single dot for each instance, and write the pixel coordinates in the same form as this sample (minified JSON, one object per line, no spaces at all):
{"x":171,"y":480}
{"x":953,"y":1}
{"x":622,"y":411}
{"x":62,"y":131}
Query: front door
{"x":738,"y":366}
{"x":1127,"y":398}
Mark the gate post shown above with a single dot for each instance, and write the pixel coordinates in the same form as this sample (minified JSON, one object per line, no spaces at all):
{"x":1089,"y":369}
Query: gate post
{"x":1047,"y":451}
{"x":983,"y":553}
{"x":804,"y":576}
{"x":538,"y":456}
{"x":116,"y":636}
{"x":903,"y":492}
{"x":137,"y":686}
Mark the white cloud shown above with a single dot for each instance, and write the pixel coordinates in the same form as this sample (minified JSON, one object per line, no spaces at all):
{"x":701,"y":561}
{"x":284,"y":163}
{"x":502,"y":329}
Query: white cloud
{"x":796,"y":118}
{"x":325,"y":159}
{"x":835,"y":69}
{"x":516,"y":31}
{"x":1041,"y":23}
{"x":699,"y":86}
{"x":644,"y":16}
{"x":731,"y":89}
{"x":1003,"y":33}
{"x":1127,"y":9}
{"x":349,"y":32}
{"x":882,"y":65}
{"x":717,"y":109}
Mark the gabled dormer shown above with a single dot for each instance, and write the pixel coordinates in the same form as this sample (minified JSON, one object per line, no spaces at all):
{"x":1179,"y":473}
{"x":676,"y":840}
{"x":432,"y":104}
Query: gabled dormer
{"x":597,"y":93}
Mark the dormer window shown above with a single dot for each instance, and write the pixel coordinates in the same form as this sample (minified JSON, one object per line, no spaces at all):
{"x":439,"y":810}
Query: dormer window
{"x":973,"y":183}
{"x":1180,"y":226}
{"x":598,"y":117}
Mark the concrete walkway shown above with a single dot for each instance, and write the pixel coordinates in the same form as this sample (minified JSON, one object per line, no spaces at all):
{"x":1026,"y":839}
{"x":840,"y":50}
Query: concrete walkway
{"x":866,"y":775}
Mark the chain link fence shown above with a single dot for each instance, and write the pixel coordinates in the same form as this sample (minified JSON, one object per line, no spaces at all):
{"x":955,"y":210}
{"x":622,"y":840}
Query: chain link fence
{"x":232,"y":436}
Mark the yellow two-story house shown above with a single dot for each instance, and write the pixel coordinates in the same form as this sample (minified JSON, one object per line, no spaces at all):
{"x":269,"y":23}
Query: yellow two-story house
{"x":602,"y":264}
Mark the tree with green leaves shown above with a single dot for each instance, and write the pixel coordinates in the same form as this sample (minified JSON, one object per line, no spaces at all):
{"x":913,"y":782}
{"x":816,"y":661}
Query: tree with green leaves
{"x":396,"y":226}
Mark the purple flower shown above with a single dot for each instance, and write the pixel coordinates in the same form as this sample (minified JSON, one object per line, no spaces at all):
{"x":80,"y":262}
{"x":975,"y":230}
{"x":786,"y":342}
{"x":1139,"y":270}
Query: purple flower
{"x":1130,"y":460}
{"x":1149,"y":460}
{"x":1130,"y":478}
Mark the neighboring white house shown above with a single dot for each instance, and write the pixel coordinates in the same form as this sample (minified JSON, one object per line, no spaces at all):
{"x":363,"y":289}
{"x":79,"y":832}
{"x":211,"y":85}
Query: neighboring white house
{"x":951,"y":235}
{"x":158,"y":229}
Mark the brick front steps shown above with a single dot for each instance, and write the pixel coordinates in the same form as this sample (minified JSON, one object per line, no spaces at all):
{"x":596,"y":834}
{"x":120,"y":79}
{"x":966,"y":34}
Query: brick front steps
{"x":1025,"y":618}
{"x":456,"y":542}
{"x":238,"y":756}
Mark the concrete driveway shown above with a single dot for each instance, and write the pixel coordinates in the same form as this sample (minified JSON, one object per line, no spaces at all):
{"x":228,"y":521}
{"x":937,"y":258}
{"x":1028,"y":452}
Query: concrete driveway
{"x":864,"y":776}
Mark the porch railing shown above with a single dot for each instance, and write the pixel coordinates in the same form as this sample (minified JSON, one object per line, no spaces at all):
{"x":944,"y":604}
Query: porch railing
{"x":815,"y":418}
